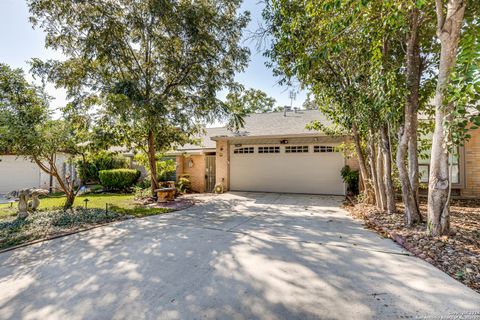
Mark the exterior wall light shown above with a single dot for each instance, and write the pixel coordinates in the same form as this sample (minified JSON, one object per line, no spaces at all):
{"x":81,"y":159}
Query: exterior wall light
{"x":190,"y":163}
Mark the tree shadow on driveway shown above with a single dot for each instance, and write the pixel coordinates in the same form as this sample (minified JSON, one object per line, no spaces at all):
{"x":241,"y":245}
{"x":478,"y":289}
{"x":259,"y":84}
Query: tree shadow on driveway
{"x":235,"y":256}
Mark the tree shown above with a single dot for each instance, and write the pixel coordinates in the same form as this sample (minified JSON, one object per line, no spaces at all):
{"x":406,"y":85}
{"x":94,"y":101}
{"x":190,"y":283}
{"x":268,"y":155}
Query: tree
{"x":309,"y":104}
{"x":156,"y":65}
{"x":28,"y":131}
{"x":338,"y":70}
{"x":244,"y":102}
{"x":449,"y":25}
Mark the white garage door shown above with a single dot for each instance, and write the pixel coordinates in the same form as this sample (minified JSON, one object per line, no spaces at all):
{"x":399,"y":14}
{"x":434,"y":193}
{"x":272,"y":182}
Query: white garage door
{"x":292,"y":169}
{"x":18,"y":173}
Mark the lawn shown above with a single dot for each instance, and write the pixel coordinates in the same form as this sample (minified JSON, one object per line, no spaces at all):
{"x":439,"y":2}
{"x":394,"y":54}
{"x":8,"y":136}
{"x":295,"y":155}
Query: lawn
{"x":51,"y":220}
{"x":118,"y":201}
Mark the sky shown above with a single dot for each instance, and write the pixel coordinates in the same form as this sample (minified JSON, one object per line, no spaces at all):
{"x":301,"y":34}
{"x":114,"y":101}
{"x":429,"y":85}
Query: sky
{"x":19,"y":42}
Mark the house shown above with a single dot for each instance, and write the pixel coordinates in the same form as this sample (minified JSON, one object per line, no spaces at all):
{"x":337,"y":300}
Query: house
{"x":274,"y":152}
{"x":17,"y":173}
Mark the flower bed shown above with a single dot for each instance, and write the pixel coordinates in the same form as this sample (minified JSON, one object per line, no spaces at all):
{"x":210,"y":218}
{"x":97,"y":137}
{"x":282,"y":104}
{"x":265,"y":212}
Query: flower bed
{"x":457,"y":255}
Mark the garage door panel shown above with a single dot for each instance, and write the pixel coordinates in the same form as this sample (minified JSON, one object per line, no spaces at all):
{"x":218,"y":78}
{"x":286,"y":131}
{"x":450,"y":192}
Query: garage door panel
{"x":17,"y":173}
{"x":317,"y":173}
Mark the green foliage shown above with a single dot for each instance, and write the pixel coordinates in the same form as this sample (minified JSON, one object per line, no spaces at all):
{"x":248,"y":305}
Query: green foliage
{"x":166,"y":167}
{"x":26,"y":128}
{"x":166,"y":170}
{"x":351,"y":178}
{"x":119,"y":179}
{"x":184,"y":184}
{"x":464,"y":88}
{"x":154,"y":67}
{"x":88,"y":169}
{"x":244,"y":102}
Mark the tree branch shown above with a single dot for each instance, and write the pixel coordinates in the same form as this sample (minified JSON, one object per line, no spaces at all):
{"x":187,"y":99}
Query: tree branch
{"x":440,"y":16}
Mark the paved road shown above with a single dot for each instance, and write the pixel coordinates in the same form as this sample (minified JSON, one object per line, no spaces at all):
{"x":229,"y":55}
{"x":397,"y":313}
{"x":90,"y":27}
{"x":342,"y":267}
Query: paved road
{"x":234,"y":256}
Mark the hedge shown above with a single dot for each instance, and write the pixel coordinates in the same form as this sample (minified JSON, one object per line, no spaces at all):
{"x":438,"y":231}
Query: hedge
{"x":94,"y":163}
{"x":118,"y":179}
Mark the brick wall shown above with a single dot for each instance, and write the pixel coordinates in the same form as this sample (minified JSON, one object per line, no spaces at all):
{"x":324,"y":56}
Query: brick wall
{"x":472,"y":166}
{"x":222,"y":164}
{"x":196,"y":172}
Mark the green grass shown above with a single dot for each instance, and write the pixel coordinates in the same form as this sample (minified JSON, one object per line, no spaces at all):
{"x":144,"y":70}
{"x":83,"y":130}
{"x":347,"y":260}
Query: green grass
{"x":98,"y":201}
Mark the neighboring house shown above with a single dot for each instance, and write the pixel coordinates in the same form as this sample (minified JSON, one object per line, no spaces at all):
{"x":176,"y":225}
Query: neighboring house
{"x":274,"y":152}
{"x":16,"y":173}
{"x":465,"y":168}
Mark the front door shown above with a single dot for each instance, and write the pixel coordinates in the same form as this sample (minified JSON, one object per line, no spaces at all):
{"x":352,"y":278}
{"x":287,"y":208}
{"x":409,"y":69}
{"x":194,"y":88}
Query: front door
{"x":209,"y":173}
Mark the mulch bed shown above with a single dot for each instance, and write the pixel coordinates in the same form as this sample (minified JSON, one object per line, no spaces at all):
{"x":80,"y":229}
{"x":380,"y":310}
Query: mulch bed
{"x":457,"y":254}
{"x":180,"y":203}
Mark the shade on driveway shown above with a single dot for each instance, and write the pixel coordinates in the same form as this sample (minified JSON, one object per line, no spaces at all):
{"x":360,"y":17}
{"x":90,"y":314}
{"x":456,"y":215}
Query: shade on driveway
{"x":233,"y":256}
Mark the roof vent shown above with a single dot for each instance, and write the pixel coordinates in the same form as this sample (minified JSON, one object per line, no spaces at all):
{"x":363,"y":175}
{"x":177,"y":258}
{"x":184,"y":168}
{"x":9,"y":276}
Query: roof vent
{"x":286,"y":109}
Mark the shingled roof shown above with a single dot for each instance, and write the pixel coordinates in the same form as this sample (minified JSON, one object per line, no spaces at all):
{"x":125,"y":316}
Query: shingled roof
{"x":264,"y":125}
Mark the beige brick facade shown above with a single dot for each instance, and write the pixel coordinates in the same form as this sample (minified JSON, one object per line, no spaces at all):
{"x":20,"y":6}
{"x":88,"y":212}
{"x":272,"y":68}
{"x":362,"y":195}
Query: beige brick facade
{"x":472,"y":166}
{"x":196,"y":172}
{"x":222,"y":160}
{"x":471,"y":163}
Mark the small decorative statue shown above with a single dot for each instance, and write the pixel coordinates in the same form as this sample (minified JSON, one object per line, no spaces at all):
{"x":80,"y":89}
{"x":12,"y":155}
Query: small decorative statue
{"x":24,"y":196}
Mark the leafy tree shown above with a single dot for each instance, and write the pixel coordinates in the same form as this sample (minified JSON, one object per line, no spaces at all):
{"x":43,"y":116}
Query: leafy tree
{"x":337,"y":69}
{"x":452,"y":17}
{"x":309,"y":104}
{"x":155,"y":65}
{"x":244,"y":102}
{"x":27,"y":129}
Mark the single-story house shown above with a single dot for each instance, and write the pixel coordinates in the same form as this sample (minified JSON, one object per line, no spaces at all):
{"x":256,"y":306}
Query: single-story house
{"x":274,"y":152}
{"x":17,"y":172}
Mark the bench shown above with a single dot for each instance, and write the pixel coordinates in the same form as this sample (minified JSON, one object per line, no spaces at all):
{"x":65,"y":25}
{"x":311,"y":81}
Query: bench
{"x":165,"y":194}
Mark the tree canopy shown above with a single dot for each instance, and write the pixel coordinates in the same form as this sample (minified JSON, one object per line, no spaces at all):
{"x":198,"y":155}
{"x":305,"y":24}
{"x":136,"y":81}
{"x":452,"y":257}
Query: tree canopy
{"x":155,"y":65}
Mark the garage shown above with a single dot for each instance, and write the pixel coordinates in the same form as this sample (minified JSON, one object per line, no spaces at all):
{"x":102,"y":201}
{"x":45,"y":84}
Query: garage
{"x":18,"y":173}
{"x":304,"y":168}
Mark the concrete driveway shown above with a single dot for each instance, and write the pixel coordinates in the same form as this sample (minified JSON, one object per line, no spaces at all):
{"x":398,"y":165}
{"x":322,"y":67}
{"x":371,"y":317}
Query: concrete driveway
{"x":233,"y":256}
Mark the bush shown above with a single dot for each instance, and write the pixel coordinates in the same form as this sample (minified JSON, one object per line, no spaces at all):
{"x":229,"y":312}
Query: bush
{"x":351,"y":178}
{"x":184,"y":184}
{"x":166,"y":168}
{"x":94,"y":163}
{"x":119,"y":179}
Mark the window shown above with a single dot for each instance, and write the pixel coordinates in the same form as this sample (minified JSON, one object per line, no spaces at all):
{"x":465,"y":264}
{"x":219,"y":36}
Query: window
{"x":268,"y":149}
{"x":243,"y":150}
{"x":453,"y":160}
{"x":323,"y":149}
{"x":296,"y":149}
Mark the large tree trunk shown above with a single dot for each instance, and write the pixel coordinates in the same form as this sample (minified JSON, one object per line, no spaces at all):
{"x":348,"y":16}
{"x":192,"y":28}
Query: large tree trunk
{"x":387,"y":165}
{"x":152,"y":161}
{"x":413,"y":173}
{"x":407,"y":131}
{"x":380,"y":179}
{"x":373,"y":172}
{"x":448,"y":31}
{"x":366,"y":183}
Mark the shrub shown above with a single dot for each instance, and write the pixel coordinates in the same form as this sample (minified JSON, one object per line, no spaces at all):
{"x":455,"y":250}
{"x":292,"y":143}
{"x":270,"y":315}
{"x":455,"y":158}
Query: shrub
{"x":119,"y":179}
{"x":94,"y":163}
{"x":184,"y":184}
{"x":351,"y":178}
{"x":166,"y":167}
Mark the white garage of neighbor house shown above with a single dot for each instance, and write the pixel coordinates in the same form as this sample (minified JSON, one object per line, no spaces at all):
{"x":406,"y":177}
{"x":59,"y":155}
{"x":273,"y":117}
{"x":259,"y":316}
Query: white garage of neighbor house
{"x":16,"y":173}
{"x":274,"y":152}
